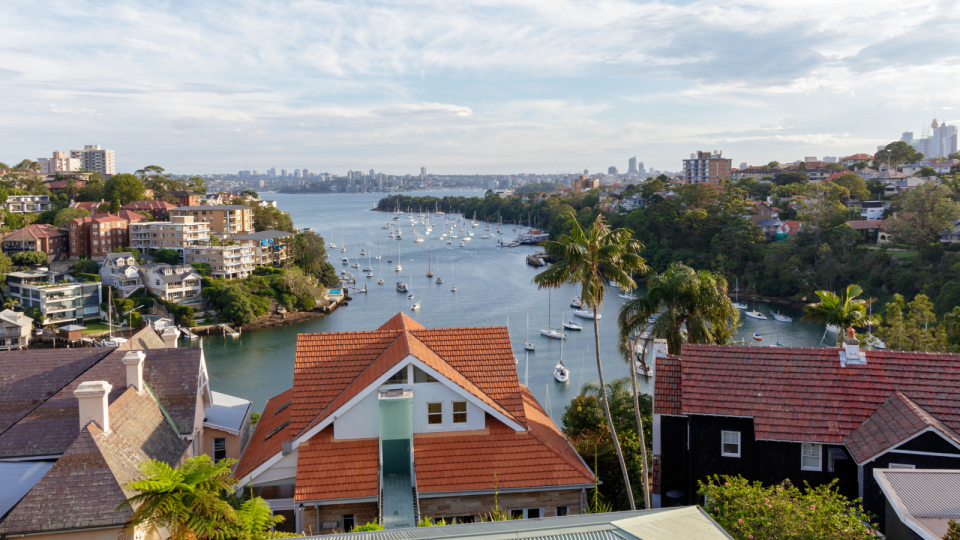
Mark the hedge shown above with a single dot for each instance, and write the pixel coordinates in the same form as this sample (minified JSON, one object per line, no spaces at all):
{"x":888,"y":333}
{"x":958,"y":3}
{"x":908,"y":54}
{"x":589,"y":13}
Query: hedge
{"x":88,"y":278}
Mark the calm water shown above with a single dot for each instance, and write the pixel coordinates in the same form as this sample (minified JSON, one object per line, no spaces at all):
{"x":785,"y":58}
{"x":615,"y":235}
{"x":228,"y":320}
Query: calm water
{"x":494,"y":287}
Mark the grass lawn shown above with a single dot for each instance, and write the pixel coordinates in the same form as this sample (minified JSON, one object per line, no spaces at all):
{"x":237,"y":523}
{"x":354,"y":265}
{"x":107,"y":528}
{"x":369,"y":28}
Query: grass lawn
{"x":95,"y":327}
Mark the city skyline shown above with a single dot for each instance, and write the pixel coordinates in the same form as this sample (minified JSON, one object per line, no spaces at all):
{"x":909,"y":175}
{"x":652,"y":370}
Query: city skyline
{"x":470,"y":88}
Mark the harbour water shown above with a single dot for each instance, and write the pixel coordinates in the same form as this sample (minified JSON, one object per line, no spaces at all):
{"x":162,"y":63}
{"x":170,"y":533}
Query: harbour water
{"x":494,"y":288}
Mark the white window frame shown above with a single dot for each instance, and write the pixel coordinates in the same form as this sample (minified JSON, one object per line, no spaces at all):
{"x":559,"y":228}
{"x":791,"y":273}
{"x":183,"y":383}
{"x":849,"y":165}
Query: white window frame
{"x":430,"y":414}
{"x":454,"y":412}
{"x":723,"y":435}
{"x":901,"y":466}
{"x":803,"y":455}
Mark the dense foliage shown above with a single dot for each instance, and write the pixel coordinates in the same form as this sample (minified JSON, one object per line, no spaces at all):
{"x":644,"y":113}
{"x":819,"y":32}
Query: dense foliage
{"x":242,"y":301}
{"x":784,"y":512}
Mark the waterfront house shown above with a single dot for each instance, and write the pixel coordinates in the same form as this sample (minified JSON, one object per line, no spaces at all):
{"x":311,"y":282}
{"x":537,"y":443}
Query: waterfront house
{"x":920,"y":503}
{"x":406,"y":422}
{"x":15,"y":329}
{"x":174,"y":283}
{"x":121,"y":271}
{"x":179,"y":233}
{"x":223,"y":218}
{"x":807,"y":415}
{"x":60,"y":298}
{"x":75,"y":423}
{"x":270,"y":247}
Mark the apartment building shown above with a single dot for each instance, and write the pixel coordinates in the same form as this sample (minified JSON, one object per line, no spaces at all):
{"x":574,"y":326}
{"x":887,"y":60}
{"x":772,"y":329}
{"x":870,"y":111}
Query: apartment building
{"x":186,"y":198}
{"x":227,"y":259}
{"x":178,"y":233}
{"x":158,"y":209}
{"x":225,"y":218}
{"x":60,"y":299}
{"x":583,"y":183}
{"x":59,"y":163}
{"x":94,"y":158}
{"x":37,"y":237}
{"x":15,"y":328}
{"x":173,"y":283}
{"x":270,"y":247}
{"x":27,"y":204}
{"x":97,"y":235}
{"x":706,"y":167}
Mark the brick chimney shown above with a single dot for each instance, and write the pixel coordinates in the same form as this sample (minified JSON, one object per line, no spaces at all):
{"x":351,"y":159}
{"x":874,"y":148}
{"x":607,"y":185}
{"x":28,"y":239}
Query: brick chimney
{"x":94,"y":404}
{"x":133,"y":361}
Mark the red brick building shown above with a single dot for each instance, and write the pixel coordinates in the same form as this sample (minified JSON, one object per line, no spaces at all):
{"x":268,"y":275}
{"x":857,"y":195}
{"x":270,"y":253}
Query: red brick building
{"x":37,"y":237}
{"x":95,"y":236}
{"x":157,"y":209}
{"x":187,"y":198}
{"x":706,"y":167}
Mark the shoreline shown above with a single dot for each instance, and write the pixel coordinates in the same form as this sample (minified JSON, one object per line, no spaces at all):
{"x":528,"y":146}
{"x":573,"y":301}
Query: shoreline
{"x":275,"y":320}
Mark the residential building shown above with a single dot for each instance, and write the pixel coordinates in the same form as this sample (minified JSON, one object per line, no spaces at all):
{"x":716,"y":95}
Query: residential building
{"x":706,"y":166}
{"x":36,"y":237}
{"x":174,"y":283}
{"x":60,"y":298}
{"x":227,"y":259}
{"x":423,"y":174}
{"x":224,"y":218}
{"x":95,"y":236}
{"x":158,"y":209}
{"x":60,"y":162}
{"x":941,"y":142}
{"x":78,"y":422}
{"x":385,"y":427}
{"x":632,"y":165}
{"x":856,"y":158}
{"x":788,"y":228}
{"x":186,"y":198}
{"x":744,"y":411}
{"x":121,"y":271}
{"x":754,"y":172}
{"x":27,"y":204}
{"x":226,"y":427}
{"x":952,"y":234}
{"x":871,"y":230}
{"x":178,"y":233}
{"x":89,"y":206}
{"x":270,"y":247}
{"x":762,"y":211}
{"x":94,"y":158}
{"x":15,"y":331}
{"x":903,"y":186}
{"x":872,"y":209}
{"x":583,"y":183}
{"x":920,"y":503}
{"x":770,"y":227}
{"x":64,"y":184}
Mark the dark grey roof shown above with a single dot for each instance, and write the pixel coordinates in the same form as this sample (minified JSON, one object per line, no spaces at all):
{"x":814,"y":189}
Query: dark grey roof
{"x":924,"y":500}
{"x":214,"y":207}
{"x":227,"y":412}
{"x":769,"y":223}
{"x":83,"y":489}
{"x":263,"y":235}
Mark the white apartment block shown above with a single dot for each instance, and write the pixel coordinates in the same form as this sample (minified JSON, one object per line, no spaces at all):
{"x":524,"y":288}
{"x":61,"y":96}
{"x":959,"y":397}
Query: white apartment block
{"x":228,"y":260}
{"x":27,"y":204}
{"x":60,"y":162}
{"x":94,"y":158}
{"x":179,"y":234}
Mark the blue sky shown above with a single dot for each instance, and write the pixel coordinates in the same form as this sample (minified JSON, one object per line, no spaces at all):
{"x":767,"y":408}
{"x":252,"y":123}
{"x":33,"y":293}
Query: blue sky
{"x":470,"y":86}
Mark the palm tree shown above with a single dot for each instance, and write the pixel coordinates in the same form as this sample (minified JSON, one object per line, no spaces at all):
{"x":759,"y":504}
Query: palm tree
{"x":842,"y":312}
{"x":588,"y":258}
{"x":683,"y":298}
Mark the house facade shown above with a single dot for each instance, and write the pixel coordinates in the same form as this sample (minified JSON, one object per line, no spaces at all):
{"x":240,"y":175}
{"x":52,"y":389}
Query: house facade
{"x":121,"y":271}
{"x":224,"y":218}
{"x":158,"y":209}
{"x":60,"y":298}
{"x":97,"y":235}
{"x":406,"y":422}
{"x":807,"y":415}
{"x":178,"y":234}
{"x":270,"y":247}
{"x":15,"y":330}
{"x":228,"y":259}
{"x":43,"y":238}
{"x":173,"y":283}
{"x":27,"y":204}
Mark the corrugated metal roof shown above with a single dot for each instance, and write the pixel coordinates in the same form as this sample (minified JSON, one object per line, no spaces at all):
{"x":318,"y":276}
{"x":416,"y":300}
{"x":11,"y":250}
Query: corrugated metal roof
{"x":660,"y":524}
{"x":925,"y":500}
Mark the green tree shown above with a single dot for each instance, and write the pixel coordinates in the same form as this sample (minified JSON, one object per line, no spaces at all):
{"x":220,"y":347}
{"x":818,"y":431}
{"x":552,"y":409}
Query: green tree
{"x":29,"y":258}
{"x":926,"y":172}
{"x":589,"y":259}
{"x":164,"y":255}
{"x":773,"y":165}
{"x":66,"y":215}
{"x":927,"y":210}
{"x":197,"y":185}
{"x":953,"y":532}
{"x":896,"y":153}
{"x":844,"y":312}
{"x":751,"y":510}
{"x":237,"y":306}
{"x":28,"y":165}
{"x":822,"y":209}
{"x":309,"y":254}
{"x":895,"y":331}
{"x":126,"y":188}
{"x":6,"y":266}
{"x":834,"y":167}
{"x":951,"y":323}
{"x":271,"y":219}
{"x":651,"y":187}
{"x":35,"y":314}
{"x":855,"y":185}
{"x":784,"y":178}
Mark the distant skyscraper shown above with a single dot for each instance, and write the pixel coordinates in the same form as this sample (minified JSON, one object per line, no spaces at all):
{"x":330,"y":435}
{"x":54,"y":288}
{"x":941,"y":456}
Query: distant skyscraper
{"x":640,"y":168}
{"x":93,"y":158}
{"x":423,"y":174}
{"x":612,"y":170}
{"x":372,"y":174}
{"x":939,"y":144}
{"x":296,"y":173}
{"x":271,"y":172}
{"x":632,"y":165}
{"x":586,"y":172}
{"x":283,"y":173}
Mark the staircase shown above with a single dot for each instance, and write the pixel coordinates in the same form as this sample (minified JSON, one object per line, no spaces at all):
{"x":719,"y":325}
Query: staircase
{"x":398,"y":508}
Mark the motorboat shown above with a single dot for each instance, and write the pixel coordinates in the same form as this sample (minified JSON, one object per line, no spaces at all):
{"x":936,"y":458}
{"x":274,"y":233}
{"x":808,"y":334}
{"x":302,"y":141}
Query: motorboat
{"x":627,"y":296}
{"x":345,"y":260}
{"x":401,"y":287}
{"x":462,"y":244}
{"x":418,"y":239}
{"x":782,"y":318}
{"x":355,"y":265}
{"x":586,"y":314}
{"x":741,"y":305}
{"x":575,"y":303}
{"x":756,"y":315}
{"x":415,"y":306}
{"x":529,"y":346}
{"x":638,"y":367}
{"x":439,"y":281}
{"x":613,"y":283}
{"x":875,"y":343}
{"x":570,"y":325}
{"x":757,"y":337}
{"x":561,"y":373}
{"x":551,"y":333}
{"x":833,"y":328}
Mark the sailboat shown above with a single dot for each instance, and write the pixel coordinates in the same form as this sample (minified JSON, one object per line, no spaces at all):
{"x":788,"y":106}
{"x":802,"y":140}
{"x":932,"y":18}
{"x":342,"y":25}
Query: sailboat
{"x":560,"y":372}
{"x":356,"y":258}
{"x":332,"y":245}
{"x":389,"y":260}
{"x":378,"y":250}
{"x":399,"y":267}
{"x":454,"y":271}
{"x":343,"y":246}
{"x":379,"y":273}
{"x":362,"y":252}
{"x":410,"y":296}
{"x":550,"y":332}
{"x":736,"y":297}
{"x":368,"y":269}
{"x":526,"y":340}
{"x":755,"y":314}
{"x":439,"y":281}
{"x":429,"y":262}
{"x":570,"y":325}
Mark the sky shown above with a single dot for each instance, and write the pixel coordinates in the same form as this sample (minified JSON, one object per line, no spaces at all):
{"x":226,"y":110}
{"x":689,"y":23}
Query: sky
{"x":471,"y":87}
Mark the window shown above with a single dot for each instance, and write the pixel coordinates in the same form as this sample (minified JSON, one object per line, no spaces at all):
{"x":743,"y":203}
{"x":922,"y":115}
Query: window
{"x":460,"y":520}
{"x":420,"y":376}
{"x":348,"y":522}
{"x":561,"y":511}
{"x":399,"y":377}
{"x":731,"y":444}
{"x":459,"y":412}
{"x":525,"y":513}
{"x":901,"y":466}
{"x":811,"y":457}
{"x":434,"y":413}
{"x":219,"y":449}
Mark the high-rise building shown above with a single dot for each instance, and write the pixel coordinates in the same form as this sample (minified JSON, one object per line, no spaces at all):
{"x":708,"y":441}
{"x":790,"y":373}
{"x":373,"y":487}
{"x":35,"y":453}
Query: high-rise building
{"x":423,"y":174}
{"x":640,"y":168}
{"x":60,"y":162}
{"x":272,"y":172}
{"x":586,"y":172}
{"x":94,"y":158}
{"x":372,"y":174}
{"x":612,"y":170}
{"x":938,"y":144}
{"x":296,"y":173}
{"x":632,"y":165}
{"x":283,"y":173}
{"x":706,"y":167}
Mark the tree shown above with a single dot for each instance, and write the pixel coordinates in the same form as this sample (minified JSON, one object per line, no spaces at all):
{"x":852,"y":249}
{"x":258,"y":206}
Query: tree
{"x":126,"y":188}
{"x":926,"y":172}
{"x":29,"y":258}
{"x":589,"y":259}
{"x":855,"y":185}
{"x":309,"y":253}
{"x":35,"y":314}
{"x":843,"y":312}
{"x":896,"y":153}
{"x":197,"y":185}
{"x":751,"y":510}
{"x":773,"y":165}
{"x":953,"y":532}
{"x":6,"y":266}
{"x":951,"y":323}
{"x":822,"y":208}
{"x":834,"y":167}
{"x":195,"y":500}
{"x":651,"y":187}
{"x":237,"y":307}
{"x":268,"y":218}
{"x":66,"y":215}
{"x":927,"y":210}
{"x":784,"y":178}
{"x":28,"y":165}
{"x":164,"y":255}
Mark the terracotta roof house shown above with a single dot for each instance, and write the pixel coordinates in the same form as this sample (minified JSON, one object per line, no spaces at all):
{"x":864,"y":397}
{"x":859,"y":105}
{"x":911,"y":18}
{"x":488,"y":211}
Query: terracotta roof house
{"x":855,"y":158}
{"x":157,"y":209}
{"x":788,"y":228}
{"x":405,"y":422}
{"x":807,"y":415}
{"x":89,"y":206}
{"x":37,"y":237}
{"x":75,"y":424}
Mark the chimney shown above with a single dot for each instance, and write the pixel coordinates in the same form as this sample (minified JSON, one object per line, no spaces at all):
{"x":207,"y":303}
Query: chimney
{"x":170,"y":337}
{"x":133,"y":361}
{"x":851,"y":345}
{"x":93,"y":399}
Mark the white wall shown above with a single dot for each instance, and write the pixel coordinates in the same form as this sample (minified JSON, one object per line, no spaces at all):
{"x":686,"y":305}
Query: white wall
{"x":283,"y":469}
{"x":362,"y":421}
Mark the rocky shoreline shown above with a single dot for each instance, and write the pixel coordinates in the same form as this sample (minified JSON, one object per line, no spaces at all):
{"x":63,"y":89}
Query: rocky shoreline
{"x":274,"y":320}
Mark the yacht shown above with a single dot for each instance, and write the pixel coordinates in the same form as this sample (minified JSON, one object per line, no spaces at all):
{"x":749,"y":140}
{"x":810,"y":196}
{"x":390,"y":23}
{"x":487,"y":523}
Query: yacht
{"x":782,"y":318}
{"x":586,"y":314}
{"x":756,"y":315}
{"x":551,"y":333}
{"x":561,"y":373}
{"x":462,"y":244}
{"x":415,"y":306}
{"x":570,"y":325}
{"x":875,"y":342}
{"x":439,"y":281}
{"x":401,"y":287}
{"x":627,"y":296}
{"x":398,"y":268}
{"x":575,"y":303}
{"x":833,"y":328}
{"x":529,"y":346}
{"x":345,"y":260}
{"x":380,"y":281}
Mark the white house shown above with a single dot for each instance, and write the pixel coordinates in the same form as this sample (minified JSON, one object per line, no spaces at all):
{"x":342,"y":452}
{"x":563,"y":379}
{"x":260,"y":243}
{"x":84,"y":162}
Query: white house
{"x":179,"y":283}
{"x":121,"y":271}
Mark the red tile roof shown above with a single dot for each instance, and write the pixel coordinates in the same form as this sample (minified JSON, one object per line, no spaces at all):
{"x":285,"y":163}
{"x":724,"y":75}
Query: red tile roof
{"x":34,"y":232}
{"x":667,"y":385}
{"x":261,"y":447}
{"x":148,"y":205}
{"x":796,"y":394}
{"x":89,"y":206}
{"x":468,"y":461}
{"x":898,"y":419}
{"x":865,"y":224}
{"x":334,"y":469}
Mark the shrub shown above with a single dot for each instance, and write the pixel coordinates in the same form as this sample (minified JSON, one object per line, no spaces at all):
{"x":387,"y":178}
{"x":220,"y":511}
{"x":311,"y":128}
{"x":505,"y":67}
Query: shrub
{"x":29,"y":258}
{"x":86,"y":266}
{"x":87,"y":278}
{"x":267,"y":271}
{"x":372,"y":526}
{"x":203,"y":269}
{"x":169,"y":256}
